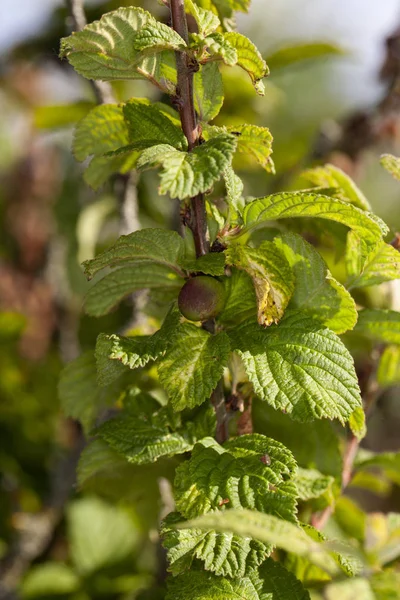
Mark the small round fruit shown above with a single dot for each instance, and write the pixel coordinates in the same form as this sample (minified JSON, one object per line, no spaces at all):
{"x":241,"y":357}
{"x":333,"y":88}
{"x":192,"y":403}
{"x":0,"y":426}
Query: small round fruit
{"x":201,"y":298}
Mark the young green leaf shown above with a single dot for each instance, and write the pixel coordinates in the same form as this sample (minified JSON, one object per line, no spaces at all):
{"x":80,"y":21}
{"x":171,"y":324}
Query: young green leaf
{"x":299,"y":367}
{"x":256,"y":142}
{"x":316,"y":291}
{"x":160,"y":246}
{"x":251,"y":471}
{"x":215,"y":46}
{"x":101,"y":168}
{"x":329,"y":176}
{"x":249,"y":58}
{"x":368,"y":228}
{"x":271,"y":274}
{"x":379,"y":325}
{"x":208,"y":92}
{"x":383,"y":264}
{"x":186,"y":174}
{"x":207,"y":21}
{"x":225,"y":554}
{"x":192,"y":367}
{"x":106,"y":49}
{"x":391,"y":164}
{"x":155,"y":36}
{"x":114,"y":287}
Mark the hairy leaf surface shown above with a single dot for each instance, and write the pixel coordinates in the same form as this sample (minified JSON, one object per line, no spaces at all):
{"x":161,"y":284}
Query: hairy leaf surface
{"x":383,"y":264}
{"x":186,"y":174}
{"x":251,"y":471}
{"x":191,"y":369}
{"x":299,"y":367}
{"x":391,"y":164}
{"x":249,"y":58}
{"x":257,"y":143}
{"x":368,"y":228}
{"x":106,"y":49}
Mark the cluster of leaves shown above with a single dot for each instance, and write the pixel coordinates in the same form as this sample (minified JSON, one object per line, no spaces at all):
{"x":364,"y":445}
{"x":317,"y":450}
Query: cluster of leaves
{"x":242,"y":503}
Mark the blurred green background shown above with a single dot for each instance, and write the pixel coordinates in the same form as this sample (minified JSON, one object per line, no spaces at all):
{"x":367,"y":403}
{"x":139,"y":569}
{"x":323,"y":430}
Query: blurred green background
{"x":329,"y":97}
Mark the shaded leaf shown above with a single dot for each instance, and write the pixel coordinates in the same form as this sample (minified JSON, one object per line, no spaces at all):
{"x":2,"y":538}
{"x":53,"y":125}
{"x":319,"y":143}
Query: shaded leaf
{"x":208,"y":93}
{"x":391,"y":164}
{"x":148,"y":123}
{"x":389,"y":366}
{"x":383,"y":264}
{"x":291,"y":55}
{"x":271,"y":274}
{"x":241,"y":301}
{"x":257,"y":143}
{"x":191,"y":369}
{"x":48,"y":579}
{"x":311,"y":483}
{"x":379,"y":325}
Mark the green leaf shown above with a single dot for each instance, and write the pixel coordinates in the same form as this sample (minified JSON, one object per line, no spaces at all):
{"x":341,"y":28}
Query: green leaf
{"x":329,"y":176}
{"x":256,"y":142}
{"x":268,"y":529}
{"x":389,"y":462}
{"x":291,"y":55}
{"x":234,"y":192}
{"x":215,"y":45}
{"x":156,"y":36}
{"x":106,"y":49}
{"x":114,"y":287}
{"x":251,"y":471}
{"x":389,"y":366}
{"x":101,"y":168}
{"x":222,"y":553}
{"x":299,"y":367}
{"x":271,"y":582}
{"x":241,"y":301}
{"x":148,"y":123}
{"x":383,"y":264}
{"x":311,"y":483}
{"x":114,"y":353}
{"x":207,"y":21}
{"x":101,"y":130}
{"x":160,"y":246}
{"x":316,"y":291}
{"x":249,"y":58}
{"x":379,"y":325}
{"x":191,"y":369}
{"x":49,"y":579}
{"x":144,"y":436}
{"x":81,"y":398}
{"x":391,"y":164}
{"x":367,"y":227}
{"x":100,"y":535}
{"x":208,"y":91}
{"x":271,"y":274}
{"x":212,"y":263}
{"x":186,"y":174}
{"x":386,"y":584}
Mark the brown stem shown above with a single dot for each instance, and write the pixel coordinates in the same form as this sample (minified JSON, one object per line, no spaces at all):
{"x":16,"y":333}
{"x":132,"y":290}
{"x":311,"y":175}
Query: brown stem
{"x":185,"y":104}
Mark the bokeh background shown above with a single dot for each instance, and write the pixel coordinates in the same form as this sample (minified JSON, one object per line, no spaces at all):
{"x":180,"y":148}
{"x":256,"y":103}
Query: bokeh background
{"x":333,"y":94}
